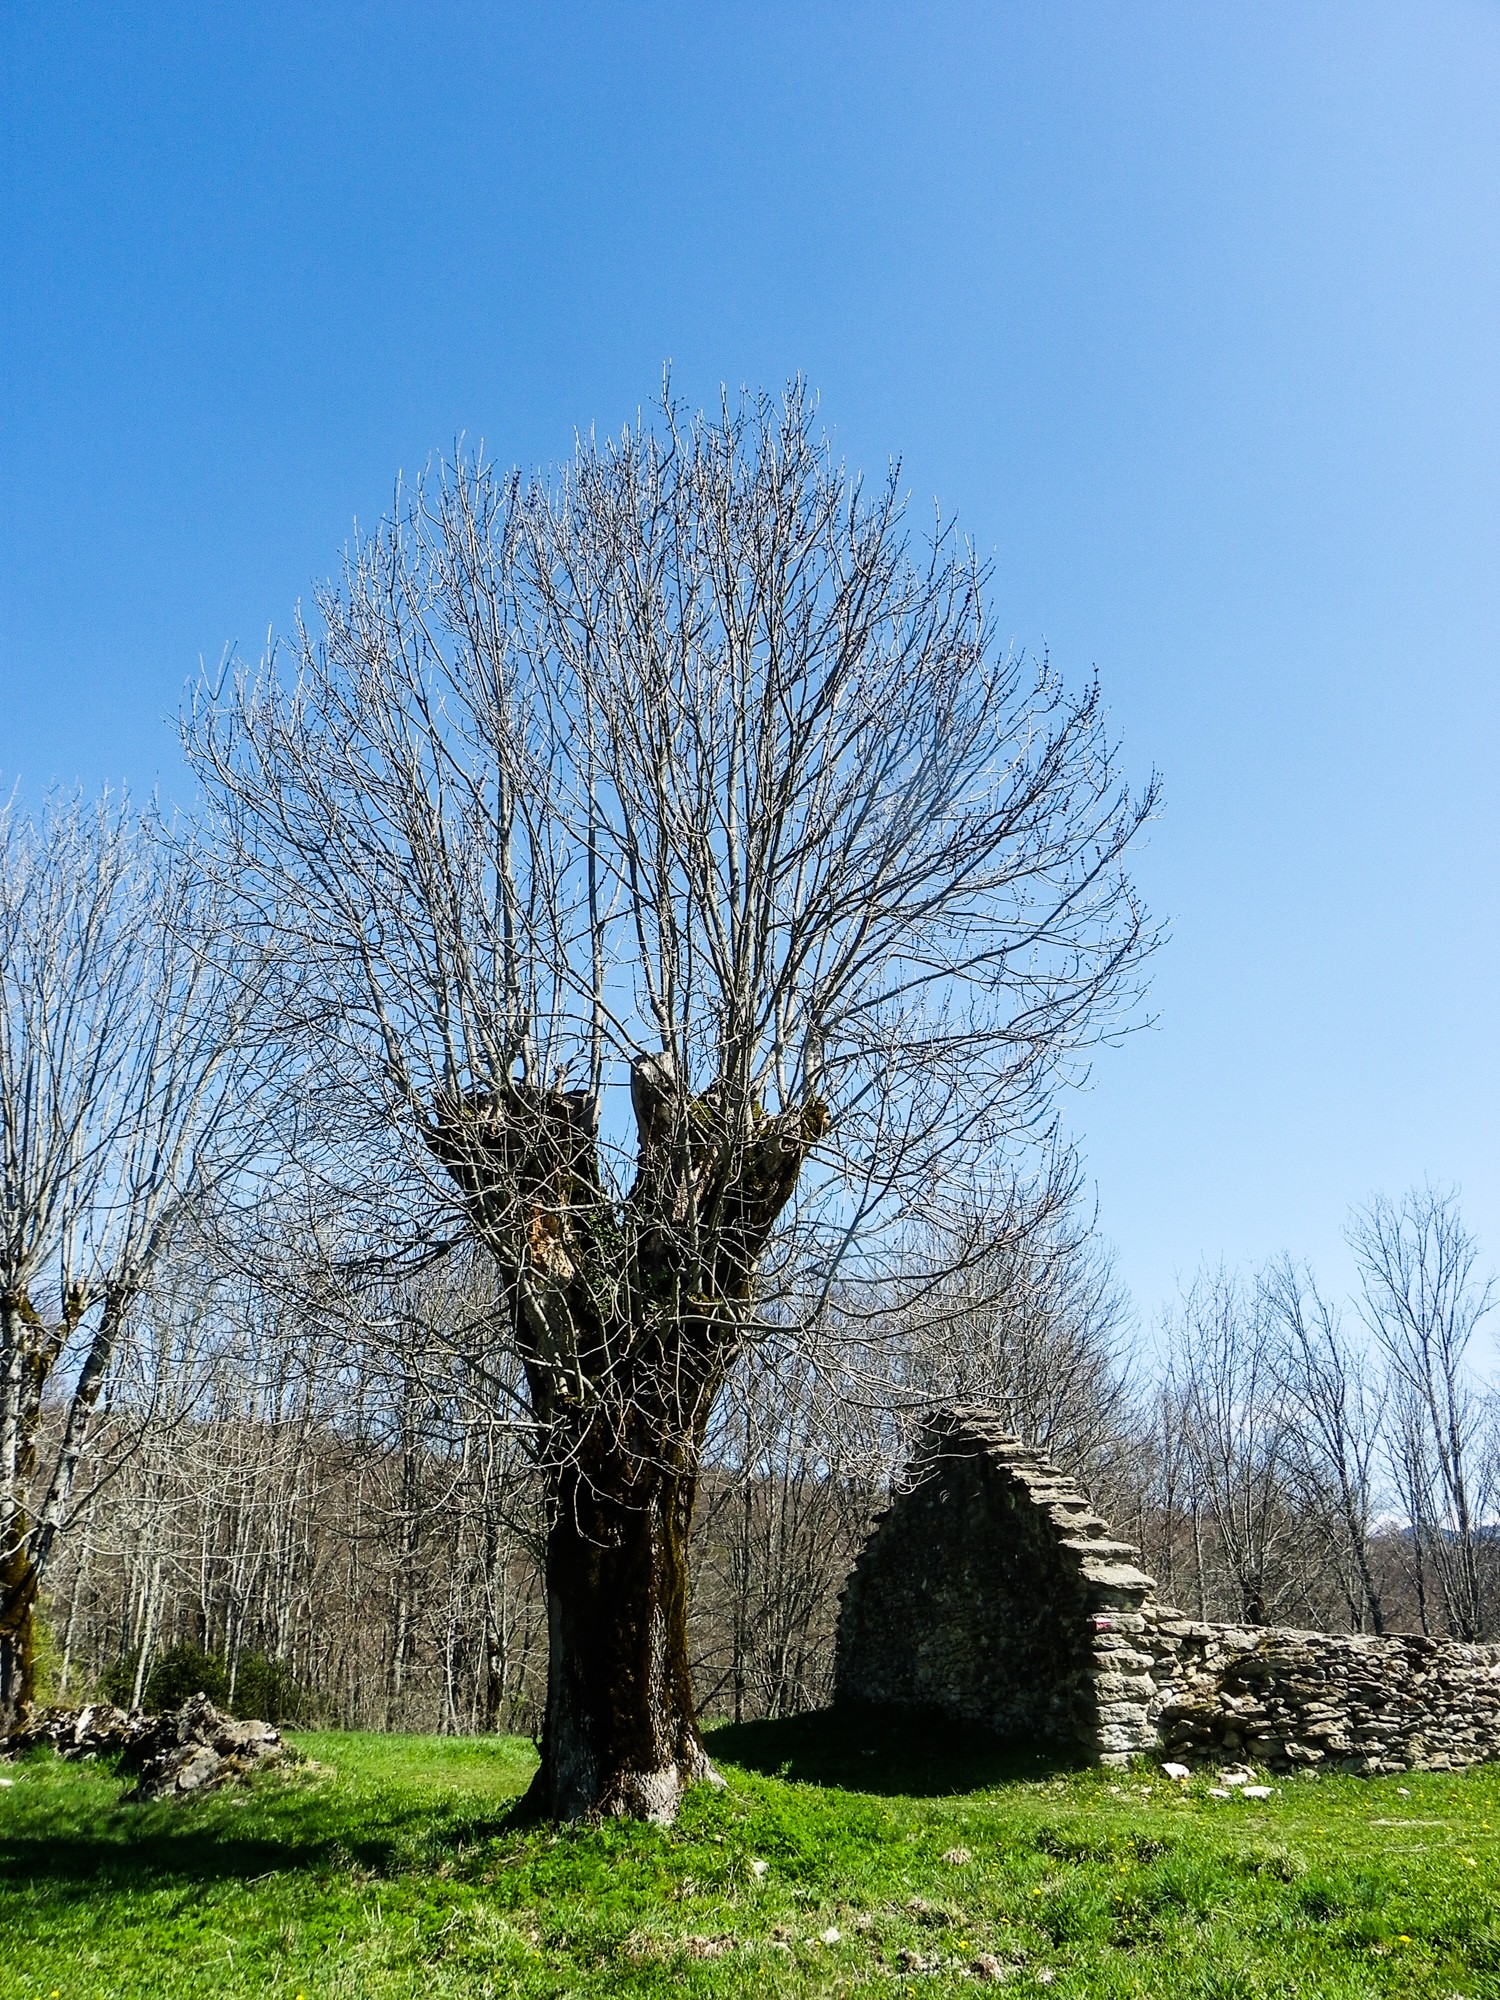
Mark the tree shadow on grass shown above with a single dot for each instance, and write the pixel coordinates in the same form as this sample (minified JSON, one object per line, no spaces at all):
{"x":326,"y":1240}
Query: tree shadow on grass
{"x":150,"y":1857}
{"x":82,"y":1846}
{"x":72,"y":1847}
{"x":910,"y":1753}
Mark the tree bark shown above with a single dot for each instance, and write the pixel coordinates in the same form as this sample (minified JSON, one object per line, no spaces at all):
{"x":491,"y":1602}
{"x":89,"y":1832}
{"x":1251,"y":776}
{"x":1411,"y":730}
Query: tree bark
{"x":18,"y":1591}
{"x":620,"y":1736}
{"x":29,"y":1350}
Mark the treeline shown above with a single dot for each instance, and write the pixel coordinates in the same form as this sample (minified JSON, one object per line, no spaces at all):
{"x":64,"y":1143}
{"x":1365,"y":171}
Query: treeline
{"x":336,"y":1511}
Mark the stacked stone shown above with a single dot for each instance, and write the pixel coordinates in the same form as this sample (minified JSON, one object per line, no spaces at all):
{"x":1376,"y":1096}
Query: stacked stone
{"x":97,"y":1730}
{"x":941,"y":1609}
{"x":1292,"y":1700}
{"x":177,"y":1754}
{"x":196,"y":1748}
{"x":1119,"y":1696}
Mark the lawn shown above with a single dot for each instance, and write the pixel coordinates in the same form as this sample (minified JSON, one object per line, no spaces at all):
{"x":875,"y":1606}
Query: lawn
{"x":839,"y":1859}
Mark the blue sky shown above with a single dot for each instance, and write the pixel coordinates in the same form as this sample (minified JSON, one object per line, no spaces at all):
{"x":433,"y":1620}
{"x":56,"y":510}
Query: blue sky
{"x":1191,"y":316}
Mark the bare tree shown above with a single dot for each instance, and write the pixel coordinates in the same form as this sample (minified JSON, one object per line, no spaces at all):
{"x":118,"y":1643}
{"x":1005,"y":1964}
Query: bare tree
{"x":117,"y":1018}
{"x":315,"y":1507}
{"x":1334,"y":1411}
{"x":793,"y":1473}
{"x":1168,"y":1502}
{"x":1029,"y":1320}
{"x":1423,"y":1299}
{"x":1223,"y":1387}
{"x":684,"y":772}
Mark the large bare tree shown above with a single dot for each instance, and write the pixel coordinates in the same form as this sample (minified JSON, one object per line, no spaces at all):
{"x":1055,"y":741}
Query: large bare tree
{"x":117,"y":1018}
{"x":681,"y":780}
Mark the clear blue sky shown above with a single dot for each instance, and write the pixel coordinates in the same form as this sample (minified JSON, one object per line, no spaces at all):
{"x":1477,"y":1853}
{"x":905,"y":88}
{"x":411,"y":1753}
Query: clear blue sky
{"x":1191,"y":315}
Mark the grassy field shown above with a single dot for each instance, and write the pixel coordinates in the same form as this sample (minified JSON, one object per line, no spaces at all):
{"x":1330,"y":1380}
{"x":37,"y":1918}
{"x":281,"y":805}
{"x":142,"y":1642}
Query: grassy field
{"x":838,"y":1860}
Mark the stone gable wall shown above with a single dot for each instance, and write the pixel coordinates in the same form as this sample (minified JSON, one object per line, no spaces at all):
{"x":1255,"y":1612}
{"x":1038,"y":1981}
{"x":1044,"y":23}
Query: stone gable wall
{"x":991,"y":1591}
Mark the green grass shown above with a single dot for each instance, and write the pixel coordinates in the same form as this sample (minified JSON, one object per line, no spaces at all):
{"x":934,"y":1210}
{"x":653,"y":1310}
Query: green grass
{"x":391,"y":1868}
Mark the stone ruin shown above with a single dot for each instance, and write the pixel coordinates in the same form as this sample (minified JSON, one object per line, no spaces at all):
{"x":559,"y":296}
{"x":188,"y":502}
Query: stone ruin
{"x":991,"y":1592}
{"x":178,"y":1754}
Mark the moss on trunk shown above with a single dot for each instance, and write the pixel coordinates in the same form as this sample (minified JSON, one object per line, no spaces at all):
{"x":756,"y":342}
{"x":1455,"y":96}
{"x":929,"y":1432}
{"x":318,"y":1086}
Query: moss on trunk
{"x":18,"y":1592}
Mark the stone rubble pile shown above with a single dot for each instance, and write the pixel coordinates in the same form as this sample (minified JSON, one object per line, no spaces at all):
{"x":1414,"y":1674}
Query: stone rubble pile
{"x":99,"y":1730}
{"x":178,"y":1754}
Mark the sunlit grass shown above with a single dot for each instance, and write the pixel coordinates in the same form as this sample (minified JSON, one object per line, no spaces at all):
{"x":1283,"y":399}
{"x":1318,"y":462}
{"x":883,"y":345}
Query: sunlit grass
{"x":388,"y":1867}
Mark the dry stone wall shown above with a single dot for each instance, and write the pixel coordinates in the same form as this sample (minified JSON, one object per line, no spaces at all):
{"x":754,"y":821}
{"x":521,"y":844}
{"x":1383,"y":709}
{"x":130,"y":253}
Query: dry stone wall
{"x":991,"y":1591}
{"x":1350,"y":1701}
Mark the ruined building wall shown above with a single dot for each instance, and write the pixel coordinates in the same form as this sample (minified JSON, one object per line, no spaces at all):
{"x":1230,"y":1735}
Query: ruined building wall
{"x":990,"y":1591}
{"x":1294,"y":1700}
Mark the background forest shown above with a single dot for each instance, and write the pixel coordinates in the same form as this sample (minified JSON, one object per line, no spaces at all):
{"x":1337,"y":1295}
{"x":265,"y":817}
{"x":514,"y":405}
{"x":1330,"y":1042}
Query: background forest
{"x":334,"y":1508}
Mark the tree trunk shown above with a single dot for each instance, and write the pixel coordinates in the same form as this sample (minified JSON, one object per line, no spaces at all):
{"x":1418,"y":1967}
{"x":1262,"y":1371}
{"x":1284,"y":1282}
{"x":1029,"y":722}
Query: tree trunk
{"x":29,"y":1349}
{"x":22,"y":1372}
{"x":18,"y":1590}
{"x":619,"y":1736}
{"x":627,"y":1316}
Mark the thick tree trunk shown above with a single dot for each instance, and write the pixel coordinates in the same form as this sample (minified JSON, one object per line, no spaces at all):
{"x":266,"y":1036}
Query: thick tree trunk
{"x":620,"y":1735}
{"x":627,"y":1315}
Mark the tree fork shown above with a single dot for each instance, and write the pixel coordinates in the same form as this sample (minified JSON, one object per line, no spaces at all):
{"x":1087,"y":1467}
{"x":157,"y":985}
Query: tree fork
{"x":620,"y":1734}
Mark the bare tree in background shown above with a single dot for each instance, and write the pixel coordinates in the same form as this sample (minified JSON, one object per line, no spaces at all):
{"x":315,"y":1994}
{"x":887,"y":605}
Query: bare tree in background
{"x":684,"y":773}
{"x":1029,"y":1321}
{"x":1334,"y":1411}
{"x":1167,"y":1509}
{"x":314,"y":1508}
{"x":791,"y":1480}
{"x":1223,"y":1387}
{"x":117,"y":1019}
{"x":1423,"y":1299}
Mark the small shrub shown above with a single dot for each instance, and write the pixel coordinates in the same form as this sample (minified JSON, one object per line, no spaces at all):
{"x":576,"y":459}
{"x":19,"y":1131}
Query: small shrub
{"x":183,"y":1671}
{"x":117,"y":1682}
{"x":264,"y":1688}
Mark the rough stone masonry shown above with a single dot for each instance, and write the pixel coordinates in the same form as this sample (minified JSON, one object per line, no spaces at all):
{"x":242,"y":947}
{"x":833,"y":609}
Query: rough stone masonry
{"x":990,"y":1591}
